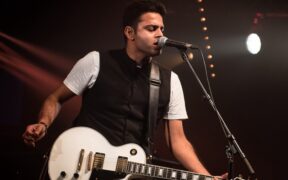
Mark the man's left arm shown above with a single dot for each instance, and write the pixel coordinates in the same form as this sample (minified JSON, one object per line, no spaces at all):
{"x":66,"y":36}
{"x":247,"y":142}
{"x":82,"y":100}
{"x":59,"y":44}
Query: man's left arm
{"x":181,"y":148}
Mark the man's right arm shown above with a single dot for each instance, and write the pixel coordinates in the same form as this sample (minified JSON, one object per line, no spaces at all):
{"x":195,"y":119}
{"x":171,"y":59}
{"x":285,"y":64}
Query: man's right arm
{"x":52,"y":104}
{"x":83,"y":75}
{"x":49,"y":111}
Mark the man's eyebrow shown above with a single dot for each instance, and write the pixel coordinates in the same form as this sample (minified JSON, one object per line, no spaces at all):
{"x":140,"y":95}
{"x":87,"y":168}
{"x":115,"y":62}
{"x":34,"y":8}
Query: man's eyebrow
{"x":155,"y":27}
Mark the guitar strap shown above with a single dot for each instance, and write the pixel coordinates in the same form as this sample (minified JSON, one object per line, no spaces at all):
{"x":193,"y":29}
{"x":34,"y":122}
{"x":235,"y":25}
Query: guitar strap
{"x":155,"y":83}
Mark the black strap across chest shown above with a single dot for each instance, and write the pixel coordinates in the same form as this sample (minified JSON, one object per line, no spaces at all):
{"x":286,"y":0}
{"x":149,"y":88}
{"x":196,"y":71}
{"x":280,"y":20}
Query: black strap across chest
{"x":155,"y":83}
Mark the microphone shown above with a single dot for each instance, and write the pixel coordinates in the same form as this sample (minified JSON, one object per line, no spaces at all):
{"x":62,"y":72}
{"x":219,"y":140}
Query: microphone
{"x":164,"y":41}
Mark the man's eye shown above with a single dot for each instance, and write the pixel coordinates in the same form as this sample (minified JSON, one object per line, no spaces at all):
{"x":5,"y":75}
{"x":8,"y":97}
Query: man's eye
{"x":152,"y":28}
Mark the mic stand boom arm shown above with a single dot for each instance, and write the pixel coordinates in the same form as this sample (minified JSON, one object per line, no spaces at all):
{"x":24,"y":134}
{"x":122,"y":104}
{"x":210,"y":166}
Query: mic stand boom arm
{"x":234,"y":147}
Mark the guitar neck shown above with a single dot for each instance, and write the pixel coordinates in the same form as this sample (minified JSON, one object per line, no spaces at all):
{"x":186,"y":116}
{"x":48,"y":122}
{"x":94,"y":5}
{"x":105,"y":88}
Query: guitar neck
{"x":163,"y":172}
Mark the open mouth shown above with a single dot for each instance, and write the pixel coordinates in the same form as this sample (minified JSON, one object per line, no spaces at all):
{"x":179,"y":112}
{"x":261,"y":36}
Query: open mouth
{"x":156,"y":44}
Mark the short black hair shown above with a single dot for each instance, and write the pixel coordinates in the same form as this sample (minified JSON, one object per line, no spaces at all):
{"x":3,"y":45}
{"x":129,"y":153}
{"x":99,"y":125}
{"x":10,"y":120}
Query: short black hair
{"x":136,"y":8}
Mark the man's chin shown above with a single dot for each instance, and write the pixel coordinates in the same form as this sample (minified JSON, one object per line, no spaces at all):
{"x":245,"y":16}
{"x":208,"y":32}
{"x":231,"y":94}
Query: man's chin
{"x":157,"y":52}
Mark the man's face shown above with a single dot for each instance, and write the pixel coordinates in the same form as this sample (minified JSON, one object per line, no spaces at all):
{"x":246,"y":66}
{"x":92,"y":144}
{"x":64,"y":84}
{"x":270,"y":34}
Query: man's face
{"x":150,"y":27}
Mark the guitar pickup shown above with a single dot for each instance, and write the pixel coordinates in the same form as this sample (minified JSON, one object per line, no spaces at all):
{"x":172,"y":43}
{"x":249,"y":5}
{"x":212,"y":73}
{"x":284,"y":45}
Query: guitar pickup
{"x":121,"y":164}
{"x":98,"y":160}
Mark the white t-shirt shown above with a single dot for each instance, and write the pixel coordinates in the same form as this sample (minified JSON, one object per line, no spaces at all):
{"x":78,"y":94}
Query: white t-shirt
{"x":85,"y":72}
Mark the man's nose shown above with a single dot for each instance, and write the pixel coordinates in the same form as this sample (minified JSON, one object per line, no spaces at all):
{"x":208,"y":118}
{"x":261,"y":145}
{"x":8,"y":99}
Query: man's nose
{"x":159,"y":33}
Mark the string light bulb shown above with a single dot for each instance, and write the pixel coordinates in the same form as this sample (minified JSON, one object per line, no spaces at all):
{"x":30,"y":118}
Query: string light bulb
{"x":201,"y":10}
{"x":190,"y":55}
{"x":208,"y":47}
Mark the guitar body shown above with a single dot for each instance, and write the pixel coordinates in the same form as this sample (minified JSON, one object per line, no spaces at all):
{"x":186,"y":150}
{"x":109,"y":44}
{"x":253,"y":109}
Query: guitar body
{"x":83,"y":153}
{"x":73,"y":147}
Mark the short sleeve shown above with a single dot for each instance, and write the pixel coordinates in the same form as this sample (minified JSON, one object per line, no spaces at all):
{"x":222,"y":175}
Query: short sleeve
{"x":176,"y":107}
{"x":84,"y":73}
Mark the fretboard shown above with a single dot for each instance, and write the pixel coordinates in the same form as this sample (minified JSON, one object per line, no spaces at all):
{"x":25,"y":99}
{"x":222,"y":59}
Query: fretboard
{"x":162,"y":172}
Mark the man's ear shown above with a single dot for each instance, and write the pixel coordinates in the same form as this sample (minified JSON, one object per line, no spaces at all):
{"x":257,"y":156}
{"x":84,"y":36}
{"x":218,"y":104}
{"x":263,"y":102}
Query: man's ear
{"x":129,"y":33}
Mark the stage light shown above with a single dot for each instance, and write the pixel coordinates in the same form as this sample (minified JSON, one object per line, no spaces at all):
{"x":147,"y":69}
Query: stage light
{"x":253,"y":43}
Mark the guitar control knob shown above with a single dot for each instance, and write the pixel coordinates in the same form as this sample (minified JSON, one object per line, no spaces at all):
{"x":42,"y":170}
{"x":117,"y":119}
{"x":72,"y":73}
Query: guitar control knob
{"x":76,"y":175}
{"x":133,"y":152}
{"x":63,"y":174}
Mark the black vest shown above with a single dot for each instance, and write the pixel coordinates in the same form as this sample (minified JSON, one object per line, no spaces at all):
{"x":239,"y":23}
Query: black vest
{"x":117,"y":104}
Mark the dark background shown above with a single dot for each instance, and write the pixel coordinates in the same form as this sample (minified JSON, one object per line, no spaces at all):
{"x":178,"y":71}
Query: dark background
{"x":250,"y":90}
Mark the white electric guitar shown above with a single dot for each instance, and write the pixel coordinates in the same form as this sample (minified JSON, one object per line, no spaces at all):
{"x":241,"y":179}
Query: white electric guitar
{"x":83,"y":153}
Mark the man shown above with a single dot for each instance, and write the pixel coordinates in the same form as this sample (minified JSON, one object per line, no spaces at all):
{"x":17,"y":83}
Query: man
{"x":115,"y":88}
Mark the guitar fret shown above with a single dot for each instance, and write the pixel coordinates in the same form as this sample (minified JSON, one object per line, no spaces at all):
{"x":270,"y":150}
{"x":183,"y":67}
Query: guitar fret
{"x":137,"y":168}
{"x":153,"y":168}
{"x":160,"y":171}
{"x":145,"y":169}
{"x":142,"y":167}
{"x":178,"y":174}
{"x":168,"y":173}
{"x":201,"y":177}
{"x":156,"y":170}
{"x":192,"y":177}
{"x":129,"y":167}
{"x":165,"y":172}
{"x":133,"y":167}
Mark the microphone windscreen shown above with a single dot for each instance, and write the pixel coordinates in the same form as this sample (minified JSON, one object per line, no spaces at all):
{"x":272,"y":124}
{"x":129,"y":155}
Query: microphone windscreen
{"x":162,"y":41}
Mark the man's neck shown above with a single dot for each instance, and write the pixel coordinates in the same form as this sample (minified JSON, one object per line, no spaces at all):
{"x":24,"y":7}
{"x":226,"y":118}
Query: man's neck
{"x":135,"y":56}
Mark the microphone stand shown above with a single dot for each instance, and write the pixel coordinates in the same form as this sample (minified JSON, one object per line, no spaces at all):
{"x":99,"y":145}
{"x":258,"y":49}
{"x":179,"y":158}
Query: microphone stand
{"x":233,"y":147}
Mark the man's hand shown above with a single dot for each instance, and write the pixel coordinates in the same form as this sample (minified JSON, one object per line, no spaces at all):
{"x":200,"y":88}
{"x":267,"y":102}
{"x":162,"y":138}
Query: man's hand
{"x":34,"y":133}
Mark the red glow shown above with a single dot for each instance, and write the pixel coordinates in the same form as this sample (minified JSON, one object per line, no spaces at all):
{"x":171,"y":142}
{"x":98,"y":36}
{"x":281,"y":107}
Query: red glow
{"x":57,"y":61}
{"x":20,"y":67}
{"x":42,"y":81}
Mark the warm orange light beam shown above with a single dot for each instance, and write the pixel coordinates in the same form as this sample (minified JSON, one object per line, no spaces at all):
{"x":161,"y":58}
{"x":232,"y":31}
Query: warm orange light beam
{"x":39,"y":79}
{"x":59,"y":62}
{"x":30,"y":74}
